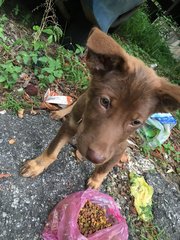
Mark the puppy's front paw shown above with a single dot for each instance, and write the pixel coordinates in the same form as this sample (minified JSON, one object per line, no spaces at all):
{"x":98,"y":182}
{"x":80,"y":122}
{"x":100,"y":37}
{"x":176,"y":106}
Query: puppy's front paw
{"x":57,"y":115}
{"x":93,"y":183}
{"x":31,"y":169}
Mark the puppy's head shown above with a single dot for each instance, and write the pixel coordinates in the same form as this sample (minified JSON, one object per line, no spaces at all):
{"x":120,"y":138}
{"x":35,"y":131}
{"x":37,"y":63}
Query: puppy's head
{"x":122,"y":94}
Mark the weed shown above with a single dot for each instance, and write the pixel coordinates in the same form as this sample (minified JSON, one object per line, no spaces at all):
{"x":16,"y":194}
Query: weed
{"x":177,"y":115}
{"x":11,"y":103}
{"x":16,"y":10}
{"x":66,"y":64}
{"x":10,"y":73}
{"x":51,"y":70}
{"x":145,"y":230}
{"x":145,"y":150}
{"x":49,"y":18}
{"x":1,"y":2}
{"x":168,"y":147}
{"x":54,"y":33}
{"x":170,"y":150}
{"x":74,"y":70}
{"x":79,"y":50}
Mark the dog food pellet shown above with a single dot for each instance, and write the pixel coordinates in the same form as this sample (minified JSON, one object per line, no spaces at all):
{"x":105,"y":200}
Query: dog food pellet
{"x":92,"y":218}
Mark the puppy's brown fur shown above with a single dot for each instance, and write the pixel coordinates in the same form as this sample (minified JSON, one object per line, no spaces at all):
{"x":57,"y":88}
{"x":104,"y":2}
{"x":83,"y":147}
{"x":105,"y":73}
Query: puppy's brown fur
{"x":122,"y":94}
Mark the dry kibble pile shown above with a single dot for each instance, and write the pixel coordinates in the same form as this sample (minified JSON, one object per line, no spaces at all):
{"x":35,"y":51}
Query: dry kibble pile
{"x":92,"y":218}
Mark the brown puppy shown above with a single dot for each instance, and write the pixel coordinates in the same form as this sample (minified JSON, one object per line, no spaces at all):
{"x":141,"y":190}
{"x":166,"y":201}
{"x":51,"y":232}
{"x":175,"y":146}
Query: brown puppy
{"x":121,"y":96}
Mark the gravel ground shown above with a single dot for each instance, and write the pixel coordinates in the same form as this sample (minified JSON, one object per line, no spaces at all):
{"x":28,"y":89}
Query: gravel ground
{"x":26,"y":203}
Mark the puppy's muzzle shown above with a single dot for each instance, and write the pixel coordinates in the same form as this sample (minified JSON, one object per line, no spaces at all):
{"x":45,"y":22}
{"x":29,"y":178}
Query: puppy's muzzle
{"x":94,"y":156}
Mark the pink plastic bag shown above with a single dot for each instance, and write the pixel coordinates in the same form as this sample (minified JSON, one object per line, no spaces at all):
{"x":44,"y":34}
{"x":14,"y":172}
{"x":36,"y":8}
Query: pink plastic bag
{"x":62,"y":221}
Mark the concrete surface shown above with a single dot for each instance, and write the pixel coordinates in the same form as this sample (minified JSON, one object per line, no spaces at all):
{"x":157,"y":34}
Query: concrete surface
{"x":25,"y":203}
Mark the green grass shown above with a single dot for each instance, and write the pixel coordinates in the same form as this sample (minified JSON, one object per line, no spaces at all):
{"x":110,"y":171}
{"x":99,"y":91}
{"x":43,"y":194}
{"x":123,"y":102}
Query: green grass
{"x":134,"y":49}
{"x":139,"y":30}
{"x":145,"y":230}
{"x":143,"y":39}
{"x":13,"y":104}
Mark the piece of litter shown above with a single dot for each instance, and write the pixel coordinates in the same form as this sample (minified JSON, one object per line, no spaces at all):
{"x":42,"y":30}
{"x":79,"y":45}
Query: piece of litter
{"x":54,"y":98}
{"x":170,"y":170}
{"x":131,"y":143}
{"x":157,"y":129}
{"x":142,"y":193}
{"x":3,"y":112}
{"x":5,"y":175}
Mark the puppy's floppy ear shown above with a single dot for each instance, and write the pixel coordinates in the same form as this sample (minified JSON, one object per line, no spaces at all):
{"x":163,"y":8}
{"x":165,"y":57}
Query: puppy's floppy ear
{"x":168,"y":96}
{"x":104,"y":54}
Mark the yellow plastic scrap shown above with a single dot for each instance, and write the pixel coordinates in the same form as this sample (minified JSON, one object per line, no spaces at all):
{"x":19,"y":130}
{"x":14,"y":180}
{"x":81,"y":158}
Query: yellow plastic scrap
{"x":142,"y":193}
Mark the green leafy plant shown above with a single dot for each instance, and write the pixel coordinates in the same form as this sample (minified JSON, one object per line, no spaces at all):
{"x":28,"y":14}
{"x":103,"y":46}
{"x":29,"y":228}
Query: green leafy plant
{"x":170,"y":150}
{"x":168,"y":147}
{"x":10,"y":73}
{"x":79,"y":50}
{"x":3,"y":38}
{"x":16,"y":10}
{"x":50,"y":71}
{"x":145,"y":150}
{"x":74,"y":70}
{"x":54,"y":33}
{"x":177,"y":115}
{"x":1,"y":2}
{"x":36,"y":55}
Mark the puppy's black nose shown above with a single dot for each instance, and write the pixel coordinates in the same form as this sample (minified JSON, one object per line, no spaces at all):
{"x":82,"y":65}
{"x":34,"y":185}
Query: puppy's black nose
{"x":94,"y":157}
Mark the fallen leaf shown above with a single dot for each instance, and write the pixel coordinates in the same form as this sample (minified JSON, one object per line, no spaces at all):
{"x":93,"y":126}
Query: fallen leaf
{"x":31,"y":90}
{"x":25,"y":76}
{"x":27,"y":98}
{"x":133,"y":210}
{"x":26,"y":83}
{"x":170,"y":170}
{"x":12,"y":141}
{"x":49,"y":106}
{"x":131,"y":143}
{"x":20,"y":113}
{"x":33,"y":112}
{"x":5,"y":175}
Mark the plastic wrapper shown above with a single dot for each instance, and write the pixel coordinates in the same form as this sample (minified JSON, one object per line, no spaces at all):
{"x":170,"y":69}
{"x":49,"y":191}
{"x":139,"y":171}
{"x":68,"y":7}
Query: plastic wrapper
{"x":54,"y":98}
{"x":157,"y":129}
{"x":142,"y":193}
{"x":62,"y":221}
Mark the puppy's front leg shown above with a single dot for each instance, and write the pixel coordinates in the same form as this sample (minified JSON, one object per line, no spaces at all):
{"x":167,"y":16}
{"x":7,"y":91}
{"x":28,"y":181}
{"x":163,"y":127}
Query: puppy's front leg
{"x":34,"y":167}
{"x":56,"y":115}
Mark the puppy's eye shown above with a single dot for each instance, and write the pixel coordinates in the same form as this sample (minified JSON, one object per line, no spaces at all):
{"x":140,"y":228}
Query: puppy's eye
{"x":136,"y":123}
{"x":105,"y":102}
